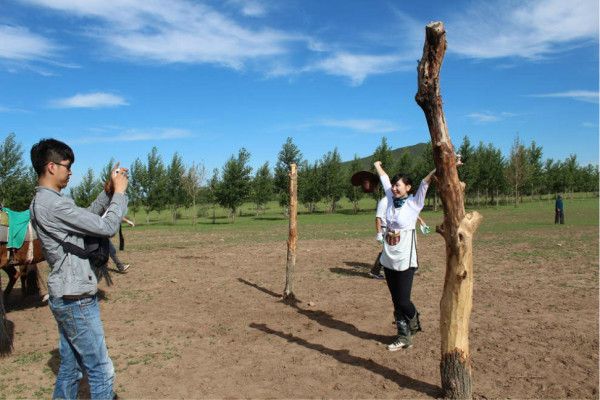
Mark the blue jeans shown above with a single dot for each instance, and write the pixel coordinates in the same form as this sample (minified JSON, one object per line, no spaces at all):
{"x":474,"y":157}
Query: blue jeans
{"x":82,"y":348}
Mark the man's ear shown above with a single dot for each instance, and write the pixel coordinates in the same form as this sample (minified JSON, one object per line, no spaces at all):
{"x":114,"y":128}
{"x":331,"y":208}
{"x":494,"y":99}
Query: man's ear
{"x":49,"y":169}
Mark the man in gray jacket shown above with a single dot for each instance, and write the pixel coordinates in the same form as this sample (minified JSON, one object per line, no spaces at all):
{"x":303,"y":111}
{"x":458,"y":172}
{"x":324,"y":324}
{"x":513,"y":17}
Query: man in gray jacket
{"x":72,"y":285}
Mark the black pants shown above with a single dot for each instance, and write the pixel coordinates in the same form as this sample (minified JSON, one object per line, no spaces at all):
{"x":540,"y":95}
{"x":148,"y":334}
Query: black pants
{"x":400,"y":285}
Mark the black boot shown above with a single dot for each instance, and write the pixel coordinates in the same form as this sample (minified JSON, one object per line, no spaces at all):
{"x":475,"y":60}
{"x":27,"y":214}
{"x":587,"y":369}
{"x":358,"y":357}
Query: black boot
{"x":414,"y":324}
{"x":403,"y":340}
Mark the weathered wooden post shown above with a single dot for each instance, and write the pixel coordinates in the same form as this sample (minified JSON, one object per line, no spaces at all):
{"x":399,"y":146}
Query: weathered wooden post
{"x":457,"y":227}
{"x":288,"y":293}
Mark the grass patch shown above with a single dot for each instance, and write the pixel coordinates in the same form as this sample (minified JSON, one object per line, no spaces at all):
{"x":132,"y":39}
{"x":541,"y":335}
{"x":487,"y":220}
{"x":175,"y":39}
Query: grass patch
{"x":29,"y":358}
{"x":129,"y":295}
{"x":43,"y":393}
{"x":530,"y":222}
{"x":154,"y":358}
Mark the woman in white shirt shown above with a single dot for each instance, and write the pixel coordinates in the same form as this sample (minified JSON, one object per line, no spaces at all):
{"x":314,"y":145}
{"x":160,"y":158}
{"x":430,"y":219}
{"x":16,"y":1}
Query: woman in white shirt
{"x":399,"y":256}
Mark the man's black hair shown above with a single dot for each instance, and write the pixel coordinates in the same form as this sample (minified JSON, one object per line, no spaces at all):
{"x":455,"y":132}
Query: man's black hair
{"x":49,"y":150}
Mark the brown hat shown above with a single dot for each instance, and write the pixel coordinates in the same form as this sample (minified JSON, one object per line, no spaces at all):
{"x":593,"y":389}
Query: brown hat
{"x":366,"y":179}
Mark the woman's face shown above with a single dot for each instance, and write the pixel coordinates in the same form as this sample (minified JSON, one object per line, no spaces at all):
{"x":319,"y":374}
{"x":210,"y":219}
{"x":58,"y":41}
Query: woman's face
{"x":400,"y":189}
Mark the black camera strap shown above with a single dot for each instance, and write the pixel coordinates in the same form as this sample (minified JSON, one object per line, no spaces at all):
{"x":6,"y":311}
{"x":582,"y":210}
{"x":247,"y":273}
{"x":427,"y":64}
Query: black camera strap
{"x":68,"y":247}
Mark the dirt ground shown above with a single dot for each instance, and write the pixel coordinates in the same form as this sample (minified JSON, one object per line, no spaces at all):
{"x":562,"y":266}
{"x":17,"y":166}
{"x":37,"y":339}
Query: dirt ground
{"x":203,"y":318}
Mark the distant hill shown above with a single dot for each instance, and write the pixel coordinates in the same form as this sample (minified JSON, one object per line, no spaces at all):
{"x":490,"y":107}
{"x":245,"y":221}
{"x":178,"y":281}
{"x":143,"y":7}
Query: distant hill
{"x":415,"y":151}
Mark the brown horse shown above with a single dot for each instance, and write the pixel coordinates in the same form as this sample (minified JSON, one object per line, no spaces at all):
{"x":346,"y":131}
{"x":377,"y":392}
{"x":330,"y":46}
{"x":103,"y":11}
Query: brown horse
{"x":16,"y":263}
{"x":22,"y":263}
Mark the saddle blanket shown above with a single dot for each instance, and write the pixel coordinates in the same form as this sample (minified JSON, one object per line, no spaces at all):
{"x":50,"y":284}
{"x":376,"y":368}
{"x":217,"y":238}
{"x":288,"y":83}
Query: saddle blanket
{"x":19,"y":229}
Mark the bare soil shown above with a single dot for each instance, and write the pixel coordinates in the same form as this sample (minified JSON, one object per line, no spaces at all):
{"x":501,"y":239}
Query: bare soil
{"x":200,"y":316}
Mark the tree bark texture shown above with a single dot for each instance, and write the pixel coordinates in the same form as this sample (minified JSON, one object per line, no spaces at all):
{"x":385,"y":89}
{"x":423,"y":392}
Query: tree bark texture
{"x":288,"y":293}
{"x":457,"y":227}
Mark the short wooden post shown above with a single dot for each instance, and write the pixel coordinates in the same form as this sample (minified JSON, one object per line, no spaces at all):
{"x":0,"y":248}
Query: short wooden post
{"x":288,"y":293}
{"x":457,"y":229}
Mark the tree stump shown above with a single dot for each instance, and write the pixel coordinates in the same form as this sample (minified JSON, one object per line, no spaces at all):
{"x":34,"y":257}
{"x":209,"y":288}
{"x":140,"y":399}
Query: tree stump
{"x":457,"y":228}
{"x":288,"y":293}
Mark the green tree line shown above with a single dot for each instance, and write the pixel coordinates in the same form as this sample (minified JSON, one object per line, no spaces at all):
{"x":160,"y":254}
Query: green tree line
{"x":156,"y":185}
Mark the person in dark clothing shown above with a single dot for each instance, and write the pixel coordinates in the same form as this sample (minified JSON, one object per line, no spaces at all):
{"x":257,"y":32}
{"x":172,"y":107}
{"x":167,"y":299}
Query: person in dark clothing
{"x":559,"y":210}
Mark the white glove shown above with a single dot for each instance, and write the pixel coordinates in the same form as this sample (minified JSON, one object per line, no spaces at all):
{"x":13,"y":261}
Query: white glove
{"x":379,"y":237}
{"x":425,"y":229}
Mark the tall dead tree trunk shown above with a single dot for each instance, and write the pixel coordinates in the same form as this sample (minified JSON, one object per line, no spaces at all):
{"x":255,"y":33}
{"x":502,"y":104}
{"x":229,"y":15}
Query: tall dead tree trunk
{"x":457,"y":227}
{"x":288,"y":293}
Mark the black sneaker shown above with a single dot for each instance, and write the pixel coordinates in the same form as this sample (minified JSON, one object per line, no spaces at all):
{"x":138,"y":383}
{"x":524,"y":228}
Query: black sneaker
{"x":123,"y":268}
{"x":376,"y":276}
{"x":401,"y":342}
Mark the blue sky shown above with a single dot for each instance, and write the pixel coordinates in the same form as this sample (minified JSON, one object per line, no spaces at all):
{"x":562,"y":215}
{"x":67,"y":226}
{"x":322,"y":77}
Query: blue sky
{"x":204,"y":78}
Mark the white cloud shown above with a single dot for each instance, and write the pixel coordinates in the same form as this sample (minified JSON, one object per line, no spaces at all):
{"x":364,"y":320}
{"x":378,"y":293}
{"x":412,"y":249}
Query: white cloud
{"x":488,"y":116}
{"x":177,"y":31}
{"x":361,"y":125}
{"x":137,"y":135}
{"x":357,"y":67}
{"x":529,"y":29}
{"x":184,"y":31}
{"x":364,"y":125}
{"x":195,"y":32}
{"x":4,"y":109}
{"x":317,"y":45}
{"x":483,"y":117}
{"x":90,"y":100}
{"x":19,"y":44}
{"x":589,"y":125}
{"x":250,"y":8}
{"x":587,"y":96}
{"x":399,"y":46}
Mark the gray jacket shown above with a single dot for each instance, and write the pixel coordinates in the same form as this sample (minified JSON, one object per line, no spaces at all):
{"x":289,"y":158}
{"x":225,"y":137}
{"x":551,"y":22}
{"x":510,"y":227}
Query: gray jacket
{"x":63,"y":221}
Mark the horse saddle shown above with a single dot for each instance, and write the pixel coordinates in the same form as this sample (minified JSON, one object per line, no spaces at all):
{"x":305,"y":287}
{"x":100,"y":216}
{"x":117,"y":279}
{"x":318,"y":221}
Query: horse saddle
{"x":16,"y":228}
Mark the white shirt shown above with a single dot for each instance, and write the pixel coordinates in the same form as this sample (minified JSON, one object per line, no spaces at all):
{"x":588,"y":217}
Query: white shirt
{"x":403,"y":255}
{"x":381,"y":208}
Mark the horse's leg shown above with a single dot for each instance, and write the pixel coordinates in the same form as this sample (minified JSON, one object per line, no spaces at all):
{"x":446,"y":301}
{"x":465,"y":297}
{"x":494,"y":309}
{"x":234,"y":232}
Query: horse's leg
{"x":33,"y":287}
{"x":13,"y":275}
{"x":41,"y":284}
{"x":29,"y":279}
{"x":35,"y":256}
{"x":24,"y":281}
{"x":6,"y":333}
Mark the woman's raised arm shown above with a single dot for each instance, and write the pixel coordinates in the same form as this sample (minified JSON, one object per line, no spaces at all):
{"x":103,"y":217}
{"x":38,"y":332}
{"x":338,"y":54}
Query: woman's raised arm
{"x":379,"y":168}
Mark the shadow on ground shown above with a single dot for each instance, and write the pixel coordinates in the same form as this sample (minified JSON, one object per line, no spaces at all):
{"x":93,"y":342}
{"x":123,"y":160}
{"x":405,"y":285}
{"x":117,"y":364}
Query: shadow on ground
{"x":345,"y":357}
{"x":323,"y":318}
{"x":327,"y":320}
